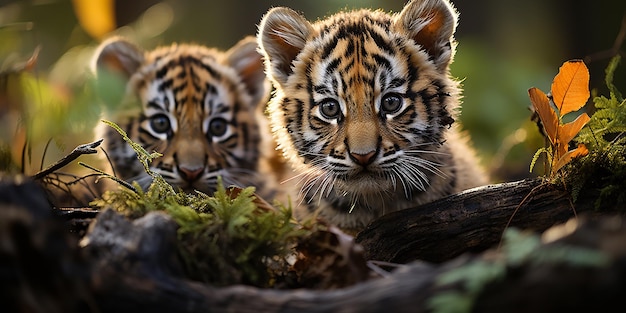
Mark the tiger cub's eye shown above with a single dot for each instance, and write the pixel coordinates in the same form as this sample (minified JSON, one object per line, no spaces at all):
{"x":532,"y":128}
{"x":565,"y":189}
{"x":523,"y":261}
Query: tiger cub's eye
{"x":330,"y":109}
{"x":160,"y":123}
{"x":218,"y":127}
{"x":391,"y":103}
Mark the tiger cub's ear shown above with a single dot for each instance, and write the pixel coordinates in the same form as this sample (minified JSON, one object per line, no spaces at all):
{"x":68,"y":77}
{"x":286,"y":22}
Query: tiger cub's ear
{"x":282,"y":35}
{"x":117,"y":55}
{"x":431,"y":23}
{"x":245,"y":58}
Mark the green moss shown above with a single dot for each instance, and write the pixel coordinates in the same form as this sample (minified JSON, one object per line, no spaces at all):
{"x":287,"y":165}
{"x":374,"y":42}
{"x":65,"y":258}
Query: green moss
{"x":223,"y":239}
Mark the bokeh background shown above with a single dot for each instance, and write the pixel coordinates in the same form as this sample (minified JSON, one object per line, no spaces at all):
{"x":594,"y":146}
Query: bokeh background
{"x":505,"y":47}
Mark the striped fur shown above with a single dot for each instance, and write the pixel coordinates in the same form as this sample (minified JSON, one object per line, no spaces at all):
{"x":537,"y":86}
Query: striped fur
{"x":364,"y":107}
{"x":201,"y":108}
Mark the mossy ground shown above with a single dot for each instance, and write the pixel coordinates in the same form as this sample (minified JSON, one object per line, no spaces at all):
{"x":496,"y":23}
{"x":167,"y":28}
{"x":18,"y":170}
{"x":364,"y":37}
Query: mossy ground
{"x":224,"y":238}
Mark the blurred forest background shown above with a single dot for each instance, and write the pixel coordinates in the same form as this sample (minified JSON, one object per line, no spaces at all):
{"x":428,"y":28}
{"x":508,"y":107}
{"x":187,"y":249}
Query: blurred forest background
{"x":505,"y":47}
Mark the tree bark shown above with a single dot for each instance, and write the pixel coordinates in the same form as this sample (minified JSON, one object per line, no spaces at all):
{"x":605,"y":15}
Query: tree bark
{"x":470,"y":221}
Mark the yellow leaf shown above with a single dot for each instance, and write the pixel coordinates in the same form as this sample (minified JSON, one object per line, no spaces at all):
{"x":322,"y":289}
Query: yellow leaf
{"x":570,"y":87}
{"x":96,"y":17}
{"x":547,"y":115}
{"x":580,"y":151}
{"x":568,"y":131}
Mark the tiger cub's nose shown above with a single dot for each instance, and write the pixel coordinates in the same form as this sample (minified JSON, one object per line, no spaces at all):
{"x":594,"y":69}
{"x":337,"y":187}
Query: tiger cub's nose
{"x":363,"y":159}
{"x":190,"y":174}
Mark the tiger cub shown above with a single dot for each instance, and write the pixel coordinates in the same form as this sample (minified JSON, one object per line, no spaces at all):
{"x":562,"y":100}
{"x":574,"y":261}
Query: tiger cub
{"x":199,"y":107}
{"x":364,"y":109}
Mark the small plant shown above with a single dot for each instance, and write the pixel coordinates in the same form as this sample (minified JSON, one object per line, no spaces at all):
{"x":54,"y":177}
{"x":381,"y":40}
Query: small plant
{"x":604,"y":169}
{"x":600,"y":138}
{"x":570,"y":92}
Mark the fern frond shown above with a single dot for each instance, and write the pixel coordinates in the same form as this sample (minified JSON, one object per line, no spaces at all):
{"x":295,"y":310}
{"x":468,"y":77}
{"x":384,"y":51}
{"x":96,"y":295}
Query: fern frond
{"x":610,"y":71}
{"x":538,"y":154}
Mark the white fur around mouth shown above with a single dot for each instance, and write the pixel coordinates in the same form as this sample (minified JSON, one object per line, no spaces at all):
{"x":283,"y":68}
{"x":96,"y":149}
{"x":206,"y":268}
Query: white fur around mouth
{"x":364,"y":182}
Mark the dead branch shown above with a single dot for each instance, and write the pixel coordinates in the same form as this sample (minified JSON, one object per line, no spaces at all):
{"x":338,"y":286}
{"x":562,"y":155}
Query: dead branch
{"x":88,"y":148}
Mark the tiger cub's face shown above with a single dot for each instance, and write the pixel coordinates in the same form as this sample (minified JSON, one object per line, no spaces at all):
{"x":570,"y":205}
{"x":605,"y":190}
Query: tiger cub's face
{"x":363,"y":98}
{"x":199,"y":108}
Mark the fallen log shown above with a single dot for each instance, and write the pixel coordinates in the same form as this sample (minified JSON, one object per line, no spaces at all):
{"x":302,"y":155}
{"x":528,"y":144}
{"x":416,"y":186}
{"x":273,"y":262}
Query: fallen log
{"x":125,"y":266}
{"x":471,"y":221}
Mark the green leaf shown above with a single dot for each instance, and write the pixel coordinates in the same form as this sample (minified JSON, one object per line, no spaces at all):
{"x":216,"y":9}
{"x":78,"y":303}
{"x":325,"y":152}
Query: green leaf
{"x":519,"y":245}
{"x":451,"y":302}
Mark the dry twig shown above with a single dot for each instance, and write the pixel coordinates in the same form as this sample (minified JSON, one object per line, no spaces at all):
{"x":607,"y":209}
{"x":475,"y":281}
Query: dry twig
{"x":88,"y":148}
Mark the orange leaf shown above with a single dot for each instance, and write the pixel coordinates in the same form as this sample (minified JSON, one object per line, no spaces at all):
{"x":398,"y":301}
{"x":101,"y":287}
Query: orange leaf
{"x":570,"y":87}
{"x":581,"y":150}
{"x":96,"y":17}
{"x":547,"y":115}
{"x":568,"y":131}
{"x":561,"y":150}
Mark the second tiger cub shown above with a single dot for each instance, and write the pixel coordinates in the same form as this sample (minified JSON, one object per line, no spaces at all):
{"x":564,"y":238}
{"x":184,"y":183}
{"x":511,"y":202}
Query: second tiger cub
{"x":200,"y":107}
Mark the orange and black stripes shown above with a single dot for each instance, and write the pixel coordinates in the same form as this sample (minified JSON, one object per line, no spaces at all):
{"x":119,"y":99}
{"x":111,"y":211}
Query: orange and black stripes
{"x":201,"y":110}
